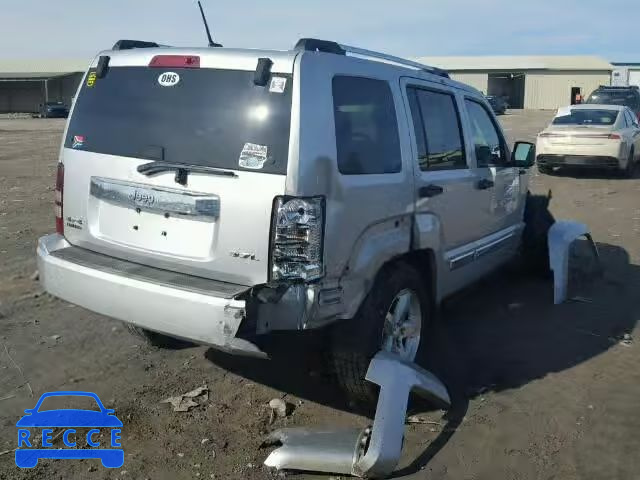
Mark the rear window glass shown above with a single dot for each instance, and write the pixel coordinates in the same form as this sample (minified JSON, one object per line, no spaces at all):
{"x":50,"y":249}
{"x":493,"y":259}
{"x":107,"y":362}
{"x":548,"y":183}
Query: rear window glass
{"x":627,"y":98}
{"x":209,"y":117}
{"x":367,"y":139}
{"x":586,"y":117}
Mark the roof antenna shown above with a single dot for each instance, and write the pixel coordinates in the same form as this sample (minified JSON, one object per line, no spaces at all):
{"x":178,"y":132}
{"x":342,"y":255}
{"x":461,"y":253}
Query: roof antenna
{"x":206,"y":27}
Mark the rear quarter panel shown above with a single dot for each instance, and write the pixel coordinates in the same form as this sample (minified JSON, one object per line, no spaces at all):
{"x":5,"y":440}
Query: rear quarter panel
{"x":368,"y":217}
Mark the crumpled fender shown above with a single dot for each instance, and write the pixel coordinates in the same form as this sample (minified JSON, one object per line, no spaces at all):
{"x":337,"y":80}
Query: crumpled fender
{"x":560,"y":237}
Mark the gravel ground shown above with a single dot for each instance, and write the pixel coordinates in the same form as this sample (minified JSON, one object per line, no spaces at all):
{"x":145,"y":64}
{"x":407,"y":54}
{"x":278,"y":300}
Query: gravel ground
{"x":541,"y":392}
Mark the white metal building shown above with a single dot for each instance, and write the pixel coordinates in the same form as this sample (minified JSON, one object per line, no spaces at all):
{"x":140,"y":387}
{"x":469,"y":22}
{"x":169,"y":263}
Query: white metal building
{"x":25,"y":84}
{"x":625,"y":74}
{"x":535,"y":82}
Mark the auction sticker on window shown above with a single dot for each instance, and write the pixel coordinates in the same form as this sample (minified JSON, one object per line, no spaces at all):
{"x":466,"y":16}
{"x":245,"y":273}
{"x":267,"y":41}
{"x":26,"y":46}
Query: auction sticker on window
{"x":278,"y":84}
{"x":253,"y":156}
{"x":91,"y":78}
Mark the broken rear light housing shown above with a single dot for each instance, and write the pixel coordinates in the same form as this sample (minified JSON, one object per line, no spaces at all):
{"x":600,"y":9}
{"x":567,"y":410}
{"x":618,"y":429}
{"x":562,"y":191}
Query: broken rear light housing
{"x":297,"y":235}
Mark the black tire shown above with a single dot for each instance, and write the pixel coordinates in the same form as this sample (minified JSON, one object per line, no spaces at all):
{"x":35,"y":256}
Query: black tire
{"x":628,"y":171}
{"x":354,"y":342}
{"x":545,"y":170}
{"x":538,"y":220}
{"x":158,"y":339}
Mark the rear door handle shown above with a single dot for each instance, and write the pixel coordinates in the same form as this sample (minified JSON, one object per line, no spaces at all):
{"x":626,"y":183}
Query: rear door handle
{"x":430,"y":191}
{"x":484,"y":184}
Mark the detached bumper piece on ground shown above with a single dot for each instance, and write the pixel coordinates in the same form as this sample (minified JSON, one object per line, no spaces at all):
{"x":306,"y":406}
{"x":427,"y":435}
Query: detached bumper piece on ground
{"x":373,"y":452}
{"x":560,"y":237}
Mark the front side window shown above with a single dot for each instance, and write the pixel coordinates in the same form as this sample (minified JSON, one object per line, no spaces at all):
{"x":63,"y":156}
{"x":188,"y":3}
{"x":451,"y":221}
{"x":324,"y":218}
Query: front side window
{"x":367,"y":139}
{"x":488,"y":144}
{"x":437,"y":126}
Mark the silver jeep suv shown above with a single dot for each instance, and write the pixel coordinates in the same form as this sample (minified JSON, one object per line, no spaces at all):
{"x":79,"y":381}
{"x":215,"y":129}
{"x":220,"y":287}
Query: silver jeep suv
{"x":216,"y":195}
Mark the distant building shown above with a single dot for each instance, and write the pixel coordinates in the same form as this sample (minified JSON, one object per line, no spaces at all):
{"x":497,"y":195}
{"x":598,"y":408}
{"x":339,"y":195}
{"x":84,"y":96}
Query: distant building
{"x":625,"y":74}
{"x":26,"y":84}
{"x":536,"y":82}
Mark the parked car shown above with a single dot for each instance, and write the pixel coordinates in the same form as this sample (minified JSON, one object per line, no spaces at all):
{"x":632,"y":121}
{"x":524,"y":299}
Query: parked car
{"x":279,"y":191}
{"x":498,"y":104}
{"x":53,"y":110}
{"x":590,"y":135}
{"x":624,"y":96}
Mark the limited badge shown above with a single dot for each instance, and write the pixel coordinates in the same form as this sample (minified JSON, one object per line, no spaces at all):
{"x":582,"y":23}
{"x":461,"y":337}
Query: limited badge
{"x":277,"y":84}
{"x":91,"y":78}
{"x":78,"y":141}
{"x":168,"y":79}
{"x":253,"y":156}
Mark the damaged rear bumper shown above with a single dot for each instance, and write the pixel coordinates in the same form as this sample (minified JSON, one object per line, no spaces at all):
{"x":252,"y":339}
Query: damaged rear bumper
{"x":204,"y":313}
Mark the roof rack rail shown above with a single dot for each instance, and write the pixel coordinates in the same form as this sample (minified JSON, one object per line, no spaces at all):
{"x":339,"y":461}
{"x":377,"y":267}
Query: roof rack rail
{"x":326,"y":46}
{"x":129,"y":44}
{"x":619,"y":86}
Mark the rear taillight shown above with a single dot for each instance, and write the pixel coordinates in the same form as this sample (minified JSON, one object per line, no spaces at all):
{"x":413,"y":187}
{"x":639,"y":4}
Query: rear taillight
{"x":175,"y":61}
{"x":297,"y":238}
{"x":614,"y":136}
{"x":59,"y":195}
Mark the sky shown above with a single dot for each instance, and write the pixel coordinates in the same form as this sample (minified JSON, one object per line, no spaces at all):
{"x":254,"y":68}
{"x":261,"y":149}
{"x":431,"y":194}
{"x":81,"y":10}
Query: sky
{"x":410,"y":28}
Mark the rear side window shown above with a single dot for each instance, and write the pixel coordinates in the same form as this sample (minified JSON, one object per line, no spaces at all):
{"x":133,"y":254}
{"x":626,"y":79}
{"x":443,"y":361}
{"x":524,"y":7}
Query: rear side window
{"x":488,"y":144}
{"x":367,"y":138}
{"x":209,"y":117}
{"x":437,"y":125}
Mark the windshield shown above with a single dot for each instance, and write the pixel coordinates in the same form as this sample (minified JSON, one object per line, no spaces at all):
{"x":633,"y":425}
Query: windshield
{"x":586,"y":117}
{"x":216,"y":118}
{"x":611,"y":97}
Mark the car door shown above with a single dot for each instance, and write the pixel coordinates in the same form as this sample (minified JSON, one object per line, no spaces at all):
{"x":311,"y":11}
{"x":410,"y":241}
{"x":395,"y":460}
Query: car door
{"x":632,"y":133}
{"x":446,"y":186}
{"x":500,"y":180}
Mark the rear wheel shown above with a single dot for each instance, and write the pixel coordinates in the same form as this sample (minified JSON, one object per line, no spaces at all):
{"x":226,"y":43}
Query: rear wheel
{"x":158,"y":339}
{"x":627,"y":172}
{"x":394,"y":317}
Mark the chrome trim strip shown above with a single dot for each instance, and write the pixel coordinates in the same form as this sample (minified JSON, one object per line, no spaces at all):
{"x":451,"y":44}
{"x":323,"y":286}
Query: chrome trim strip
{"x":474,"y":253}
{"x":196,"y":205}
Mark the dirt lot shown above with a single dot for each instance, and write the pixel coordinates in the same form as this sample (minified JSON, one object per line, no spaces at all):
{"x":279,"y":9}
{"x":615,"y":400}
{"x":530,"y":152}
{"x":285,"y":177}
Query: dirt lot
{"x":541,"y":392}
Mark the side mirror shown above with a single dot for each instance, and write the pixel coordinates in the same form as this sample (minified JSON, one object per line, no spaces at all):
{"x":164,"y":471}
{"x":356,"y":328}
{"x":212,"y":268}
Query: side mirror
{"x":524,"y":154}
{"x":483,"y":155}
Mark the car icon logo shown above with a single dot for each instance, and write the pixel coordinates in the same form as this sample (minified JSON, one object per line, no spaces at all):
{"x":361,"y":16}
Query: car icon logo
{"x":32,"y":446}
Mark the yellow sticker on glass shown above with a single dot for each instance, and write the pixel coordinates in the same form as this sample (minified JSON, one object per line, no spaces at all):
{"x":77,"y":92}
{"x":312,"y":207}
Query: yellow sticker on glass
{"x":91,"y":79}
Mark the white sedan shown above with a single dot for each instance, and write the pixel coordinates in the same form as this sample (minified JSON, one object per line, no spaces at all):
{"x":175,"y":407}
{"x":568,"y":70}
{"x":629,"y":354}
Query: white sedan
{"x":602,"y":136}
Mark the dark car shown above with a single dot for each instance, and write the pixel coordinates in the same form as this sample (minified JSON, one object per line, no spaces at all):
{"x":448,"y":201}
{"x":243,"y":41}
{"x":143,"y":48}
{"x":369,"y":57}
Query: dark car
{"x":498,"y":104}
{"x":54,"y":110}
{"x":626,"y":96}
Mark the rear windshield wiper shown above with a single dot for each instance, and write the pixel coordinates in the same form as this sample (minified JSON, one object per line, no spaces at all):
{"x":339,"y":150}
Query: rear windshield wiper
{"x":182,"y":170}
